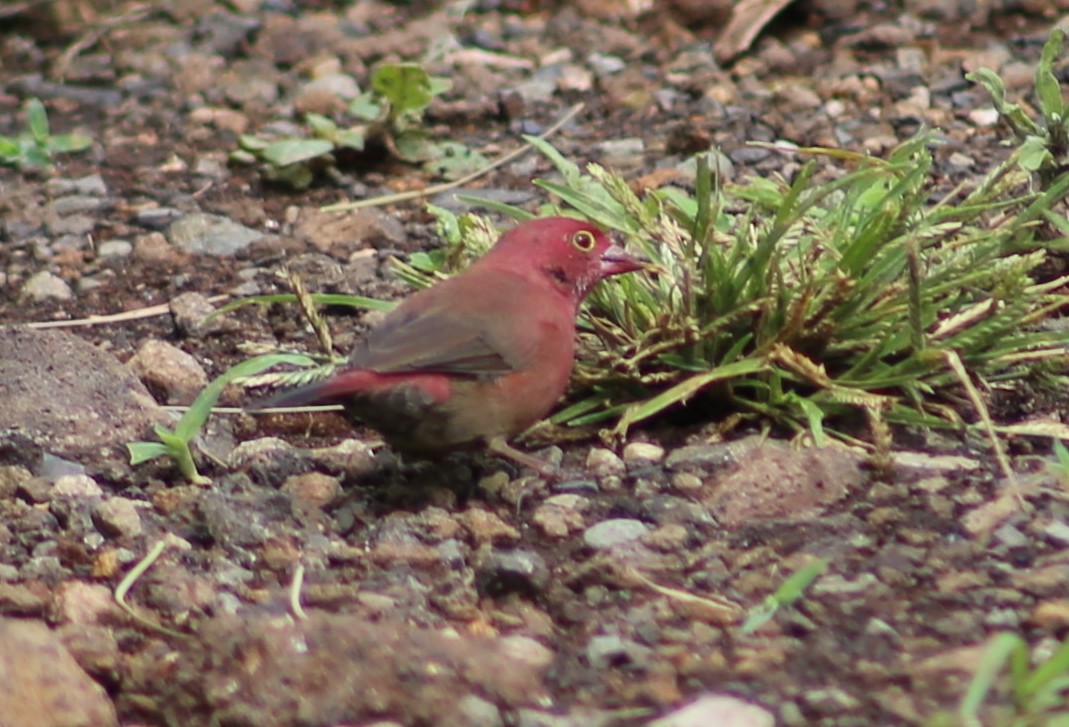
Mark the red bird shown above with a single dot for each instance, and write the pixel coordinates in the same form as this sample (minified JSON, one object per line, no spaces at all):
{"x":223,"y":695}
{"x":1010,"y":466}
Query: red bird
{"x":479,"y":357}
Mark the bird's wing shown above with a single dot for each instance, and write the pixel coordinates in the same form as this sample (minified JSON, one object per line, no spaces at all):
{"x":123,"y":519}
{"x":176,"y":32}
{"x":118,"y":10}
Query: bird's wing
{"x":444,"y":336}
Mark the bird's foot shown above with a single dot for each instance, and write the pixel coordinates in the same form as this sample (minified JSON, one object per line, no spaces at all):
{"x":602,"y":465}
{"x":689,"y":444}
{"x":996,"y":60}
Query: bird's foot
{"x":502,"y":448}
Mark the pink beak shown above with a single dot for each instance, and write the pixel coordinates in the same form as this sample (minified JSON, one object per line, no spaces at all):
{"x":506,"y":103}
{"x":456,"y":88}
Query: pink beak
{"x":615,"y":260}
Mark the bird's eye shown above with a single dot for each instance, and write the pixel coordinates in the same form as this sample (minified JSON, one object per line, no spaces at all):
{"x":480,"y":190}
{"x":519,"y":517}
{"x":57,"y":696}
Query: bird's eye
{"x":583,"y":240}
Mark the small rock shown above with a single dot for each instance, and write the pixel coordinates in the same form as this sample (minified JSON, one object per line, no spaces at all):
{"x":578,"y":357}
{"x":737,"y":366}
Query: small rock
{"x":526,"y":650}
{"x":717,"y":709}
{"x":485,"y":527}
{"x":191,"y":314}
{"x":17,"y":599}
{"x":1057,"y":531}
{"x":76,"y":486}
{"x":83,"y":603}
{"x":90,"y":185}
{"x":601,"y":462}
{"x":207,"y":234}
{"x":984,"y":117}
{"x":778,"y":482}
{"x":43,"y":686}
{"x":12,"y":478}
{"x":157,"y":218}
{"x":73,"y":399}
{"x":45,"y":286}
{"x":534,"y":91}
{"x":166,"y":368}
{"x":605,"y":652}
{"x":605,"y":65}
{"x":210,"y":166}
{"x":687,"y":481}
{"x":117,"y":517}
{"x":342,"y":235}
{"x":154,"y":250}
{"x":561,"y":515}
{"x":114,"y":248}
{"x":643,"y":453}
{"x":512,"y":571}
{"x":473,"y":711}
{"x":78,"y":225}
{"x":76,"y":204}
{"x":621,"y":148}
{"x":313,"y":489}
{"x":610,"y":533}
{"x":1052,"y":615}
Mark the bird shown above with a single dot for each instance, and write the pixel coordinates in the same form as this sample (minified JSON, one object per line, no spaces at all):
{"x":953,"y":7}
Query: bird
{"x":475,"y":359}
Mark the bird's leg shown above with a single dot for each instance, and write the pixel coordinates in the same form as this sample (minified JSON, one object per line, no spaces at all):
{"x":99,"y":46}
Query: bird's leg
{"x":502,"y":448}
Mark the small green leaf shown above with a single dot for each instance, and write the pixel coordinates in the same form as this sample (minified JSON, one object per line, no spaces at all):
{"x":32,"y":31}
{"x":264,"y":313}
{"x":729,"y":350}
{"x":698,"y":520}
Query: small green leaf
{"x":296,"y":176}
{"x":253,"y":143}
{"x":37,"y":120}
{"x":321,"y":125}
{"x":68,"y":143}
{"x":407,"y":86}
{"x":353,"y":138}
{"x":439,"y":85}
{"x":291,"y":151}
{"x":9,"y":149}
{"x":365,"y":107}
{"x":34,"y":157}
{"x":1034,"y":154}
{"x":414,"y":146}
{"x":453,"y":160}
{"x":1047,"y":87}
{"x":144,"y":451}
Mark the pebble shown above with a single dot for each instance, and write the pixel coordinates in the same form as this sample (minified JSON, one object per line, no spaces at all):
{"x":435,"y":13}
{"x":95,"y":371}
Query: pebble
{"x":601,"y":462}
{"x":560,"y":515}
{"x":313,"y":489}
{"x":117,"y":517}
{"x":114,"y":248}
{"x":43,"y":684}
{"x":474,"y":711}
{"x":605,"y":652}
{"x":76,"y":204}
{"x":642,"y":453}
{"x":1058,"y":532}
{"x":192,"y":313}
{"x":605,"y":65}
{"x":76,"y":486}
{"x":509,"y":571}
{"x":45,"y":286}
{"x":485,"y":527}
{"x":984,"y":117}
{"x":78,"y":225}
{"x":621,"y":148}
{"x":164,"y":367}
{"x":717,"y":709}
{"x":1010,"y":536}
{"x":687,"y":481}
{"x":92,"y":185}
{"x":82,"y":603}
{"x":207,"y":234}
{"x":526,"y":650}
{"x":610,"y":533}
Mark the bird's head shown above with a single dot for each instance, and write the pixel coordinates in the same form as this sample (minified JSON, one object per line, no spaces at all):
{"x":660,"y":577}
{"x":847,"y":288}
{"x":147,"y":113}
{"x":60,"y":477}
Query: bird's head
{"x":573,"y":255}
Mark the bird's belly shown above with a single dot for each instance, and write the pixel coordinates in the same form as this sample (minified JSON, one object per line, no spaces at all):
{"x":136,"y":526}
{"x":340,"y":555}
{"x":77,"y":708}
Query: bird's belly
{"x":474,"y":411}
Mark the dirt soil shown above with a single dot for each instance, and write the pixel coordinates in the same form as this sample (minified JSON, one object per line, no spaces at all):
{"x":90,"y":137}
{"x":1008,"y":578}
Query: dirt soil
{"x":316,"y":580}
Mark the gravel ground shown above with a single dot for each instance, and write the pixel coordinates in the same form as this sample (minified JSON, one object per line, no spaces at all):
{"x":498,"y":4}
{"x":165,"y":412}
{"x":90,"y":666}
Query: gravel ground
{"x":318,"y":581}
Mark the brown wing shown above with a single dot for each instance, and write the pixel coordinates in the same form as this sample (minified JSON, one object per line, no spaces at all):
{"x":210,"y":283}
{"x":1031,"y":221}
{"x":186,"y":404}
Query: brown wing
{"x":449,"y":329}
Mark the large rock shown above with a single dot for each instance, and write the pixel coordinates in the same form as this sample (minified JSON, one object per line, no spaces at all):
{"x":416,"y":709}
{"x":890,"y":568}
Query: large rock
{"x":63,"y":396}
{"x":41,"y":685}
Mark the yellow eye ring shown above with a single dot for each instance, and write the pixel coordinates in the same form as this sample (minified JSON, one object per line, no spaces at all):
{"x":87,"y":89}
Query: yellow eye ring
{"x":584,"y":240}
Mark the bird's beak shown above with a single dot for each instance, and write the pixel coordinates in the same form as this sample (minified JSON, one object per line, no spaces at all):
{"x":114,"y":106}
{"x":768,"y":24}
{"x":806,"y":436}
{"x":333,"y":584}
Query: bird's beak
{"x":615,"y":260}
